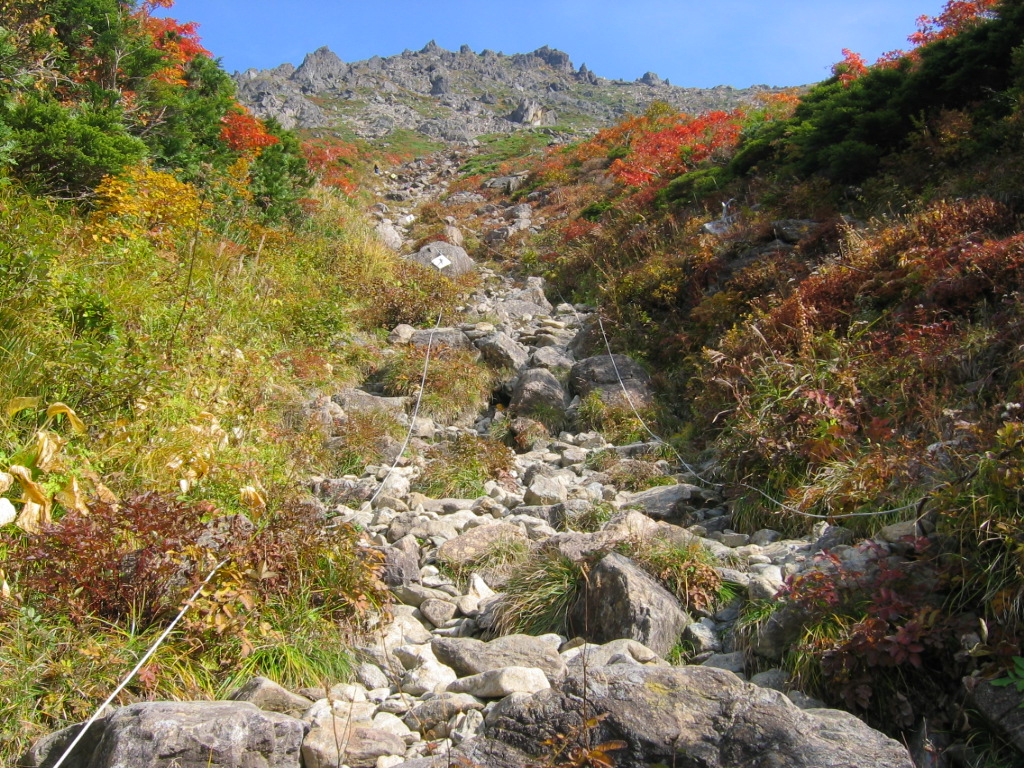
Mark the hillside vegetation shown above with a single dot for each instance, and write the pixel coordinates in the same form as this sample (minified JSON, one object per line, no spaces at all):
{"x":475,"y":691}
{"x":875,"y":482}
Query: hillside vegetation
{"x":828,"y":290}
{"x":174,"y":283}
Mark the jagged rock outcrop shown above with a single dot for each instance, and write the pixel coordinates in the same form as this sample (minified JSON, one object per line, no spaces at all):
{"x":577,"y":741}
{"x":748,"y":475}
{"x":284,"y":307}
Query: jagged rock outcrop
{"x":455,"y":96}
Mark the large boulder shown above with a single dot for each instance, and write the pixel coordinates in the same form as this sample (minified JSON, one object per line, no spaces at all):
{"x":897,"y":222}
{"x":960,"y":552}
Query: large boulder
{"x":459,"y":261}
{"x":193,"y":734}
{"x":620,"y":600}
{"x":468,"y":656}
{"x":390,"y":236}
{"x":538,"y":393}
{"x":697,"y":717}
{"x":670,"y":503}
{"x":608,"y":375}
{"x":502,"y":351}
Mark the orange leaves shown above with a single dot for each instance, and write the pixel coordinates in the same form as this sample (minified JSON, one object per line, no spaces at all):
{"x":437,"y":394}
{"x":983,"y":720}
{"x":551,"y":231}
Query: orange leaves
{"x":850,"y":68}
{"x":244,"y":133}
{"x":956,"y":16}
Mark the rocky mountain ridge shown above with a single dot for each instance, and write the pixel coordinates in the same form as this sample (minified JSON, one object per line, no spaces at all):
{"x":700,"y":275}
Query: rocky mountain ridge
{"x":455,"y":96}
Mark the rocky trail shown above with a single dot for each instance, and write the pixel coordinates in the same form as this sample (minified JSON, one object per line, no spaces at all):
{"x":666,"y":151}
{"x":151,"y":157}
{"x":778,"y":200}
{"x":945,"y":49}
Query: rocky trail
{"x":443,"y":681}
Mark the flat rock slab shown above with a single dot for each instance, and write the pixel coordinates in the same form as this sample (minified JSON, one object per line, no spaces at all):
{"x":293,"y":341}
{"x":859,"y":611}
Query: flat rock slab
{"x":499,"y":683}
{"x":667,"y":502}
{"x":695,"y":717}
{"x":271,"y":697}
{"x":468,"y":656}
{"x":608,"y":375}
{"x":471,"y":546}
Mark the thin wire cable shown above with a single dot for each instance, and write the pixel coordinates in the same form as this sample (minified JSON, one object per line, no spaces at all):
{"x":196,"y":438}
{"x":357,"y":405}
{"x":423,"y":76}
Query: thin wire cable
{"x":415,"y":412}
{"x":690,"y":469}
{"x":139,"y":665}
{"x":919,"y":504}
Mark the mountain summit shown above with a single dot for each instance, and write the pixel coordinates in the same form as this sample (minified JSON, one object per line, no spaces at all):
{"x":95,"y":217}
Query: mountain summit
{"x":458,"y":95}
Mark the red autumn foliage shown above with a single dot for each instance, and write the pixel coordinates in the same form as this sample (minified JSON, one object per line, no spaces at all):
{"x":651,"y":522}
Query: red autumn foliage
{"x":244,"y":133}
{"x":332,"y":162}
{"x":675,"y":149}
{"x":850,"y":68}
{"x":956,"y":16}
{"x":178,"y":42}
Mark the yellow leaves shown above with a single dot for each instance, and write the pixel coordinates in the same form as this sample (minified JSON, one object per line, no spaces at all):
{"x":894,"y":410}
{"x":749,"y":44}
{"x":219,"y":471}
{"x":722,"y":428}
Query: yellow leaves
{"x":252,"y":499}
{"x":35,"y":510}
{"x":48,"y":448}
{"x":59,"y":409}
{"x":149,"y":203}
{"x":71,"y":497}
{"x":44,"y":456}
{"x":18,"y":404}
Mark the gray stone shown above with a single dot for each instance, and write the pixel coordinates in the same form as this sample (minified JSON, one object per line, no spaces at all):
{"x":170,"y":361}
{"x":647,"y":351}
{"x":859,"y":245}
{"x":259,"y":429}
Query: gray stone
{"x":553,"y":358}
{"x":469,"y":547}
{"x":400,"y":567}
{"x":667,"y":502}
{"x":538,"y":393}
{"x":453,"y":338}
{"x":401,"y":334}
{"x":355,"y":400}
{"x":604,"y":373}
{"x":343,"y":743}
{"x":271,"y":697}
{"x":600,"y":656}
{"x":544,"y":491}
{"x":429,"y":677}
{"x":437,"y":612}
{"x":371,"y":676}
{"x":431,"y":717}
{"x":620,"y":600}
{"x":390,"y":236}
{"x":195,"y":734}
{"x":776,"y":679}
{"x":694,"y":716}
{"x":733,"y":662}
{"x":502,"y":351}
{"x":460,"y":264}
{"x":471,"y":657}
{"x":498,"y":683}
{"x":702,"y":637}
{"x":999,"y":707}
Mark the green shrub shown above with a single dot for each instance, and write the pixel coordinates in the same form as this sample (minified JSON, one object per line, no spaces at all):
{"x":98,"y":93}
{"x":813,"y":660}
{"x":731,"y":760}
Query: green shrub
{"x":538,"y":595}
{"x":456,"y":386}
{"x":460,"y":466}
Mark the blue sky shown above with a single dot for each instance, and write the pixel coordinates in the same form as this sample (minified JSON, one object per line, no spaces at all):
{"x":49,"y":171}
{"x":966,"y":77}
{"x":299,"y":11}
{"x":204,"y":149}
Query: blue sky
{"x":703,"y":44}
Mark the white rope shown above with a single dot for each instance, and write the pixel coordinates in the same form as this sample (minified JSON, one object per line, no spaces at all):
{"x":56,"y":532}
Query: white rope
{"x":138,"y":666}
{"x":415,"y":412}
{"x":682,"y":462}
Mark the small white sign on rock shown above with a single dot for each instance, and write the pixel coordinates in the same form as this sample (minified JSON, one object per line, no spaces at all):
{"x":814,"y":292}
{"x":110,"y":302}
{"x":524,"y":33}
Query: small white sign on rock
{"x":441,"y":261}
